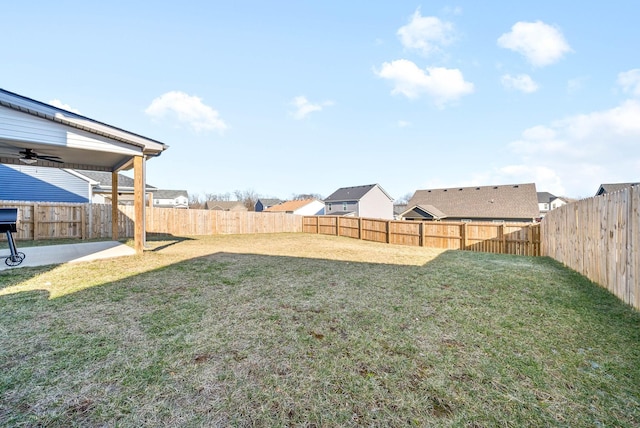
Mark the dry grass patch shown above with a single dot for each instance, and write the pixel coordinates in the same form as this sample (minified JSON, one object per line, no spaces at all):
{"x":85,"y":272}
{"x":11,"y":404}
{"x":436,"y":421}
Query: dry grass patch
{"x":307,"y":330}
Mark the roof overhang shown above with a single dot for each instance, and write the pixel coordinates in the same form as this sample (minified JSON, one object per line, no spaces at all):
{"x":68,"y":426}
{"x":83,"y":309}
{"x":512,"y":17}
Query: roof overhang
{"x":80,"y":142}
{"x":426,"y":211}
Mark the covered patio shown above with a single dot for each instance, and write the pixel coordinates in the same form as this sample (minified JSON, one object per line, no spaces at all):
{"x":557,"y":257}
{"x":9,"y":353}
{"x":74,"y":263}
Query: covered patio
{"x":39,"y":134}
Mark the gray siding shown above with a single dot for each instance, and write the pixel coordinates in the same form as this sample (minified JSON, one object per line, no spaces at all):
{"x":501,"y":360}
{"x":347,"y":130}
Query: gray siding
{"x":340,"y":207}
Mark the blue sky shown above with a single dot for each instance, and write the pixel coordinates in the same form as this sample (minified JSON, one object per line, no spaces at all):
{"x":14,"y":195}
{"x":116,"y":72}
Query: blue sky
{"x":288,"y":97}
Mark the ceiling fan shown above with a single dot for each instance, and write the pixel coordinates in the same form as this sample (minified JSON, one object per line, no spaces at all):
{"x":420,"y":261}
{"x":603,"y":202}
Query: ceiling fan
{"x":29,"y":157}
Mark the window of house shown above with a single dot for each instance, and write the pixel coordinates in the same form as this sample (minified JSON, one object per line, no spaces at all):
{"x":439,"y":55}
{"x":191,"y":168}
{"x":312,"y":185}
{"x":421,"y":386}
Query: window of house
{"x":329,"y":207}
{"x":344,"y":206}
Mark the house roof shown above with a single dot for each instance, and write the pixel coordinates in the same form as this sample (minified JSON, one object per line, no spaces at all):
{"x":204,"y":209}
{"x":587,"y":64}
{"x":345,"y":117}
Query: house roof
{"x":354,"y":193}
{"x":104,"y":179}
{"x":613,"y":187}
{"x":269,"y":202}
{"x":428,"y":209}
{"x":76,"y":145}
{"x":290,"y":206}
{"x":169,"y":194}
{"x":491,"y":202}
{"x":223,"y":205}
{"x":341,"y":213}
{"x":545,"y":197}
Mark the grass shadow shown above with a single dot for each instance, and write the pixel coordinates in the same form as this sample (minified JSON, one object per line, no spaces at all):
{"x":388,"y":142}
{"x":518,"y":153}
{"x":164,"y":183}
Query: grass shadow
{"x":254,"y":335}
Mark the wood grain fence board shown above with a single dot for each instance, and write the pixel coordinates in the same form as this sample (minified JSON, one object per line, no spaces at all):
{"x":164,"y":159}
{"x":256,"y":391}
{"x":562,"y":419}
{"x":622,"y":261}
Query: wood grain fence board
{"x":599,"y":238}
{"x":522,"y":238}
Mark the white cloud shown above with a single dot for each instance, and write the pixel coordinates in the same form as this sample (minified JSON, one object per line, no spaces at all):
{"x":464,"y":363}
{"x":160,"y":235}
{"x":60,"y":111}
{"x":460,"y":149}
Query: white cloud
{"x":630,"y":81}
{"x":60,"y":104}
{"x":426,"y":34}
{"x":187,"y":109}
{"x":582,"y":150}
{"x":304,"y":107}
{"x":521,"y":82}
{"x":442,"y":84}
{"x":540,"y":43}
{"x":403,"y":123}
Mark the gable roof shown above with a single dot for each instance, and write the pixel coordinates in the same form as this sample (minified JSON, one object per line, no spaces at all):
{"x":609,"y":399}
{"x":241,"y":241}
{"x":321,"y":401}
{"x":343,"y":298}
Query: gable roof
{"x":269,"y":202}
{"x":224,"y":205}
{"x":545,"y":197}
{"x":430,"y":210}
{"x":490,"y":202}
{"x":290,"y":206}
{"x":169,"y":194}
{"x":354,"y":193}
{"x":613,"y":187}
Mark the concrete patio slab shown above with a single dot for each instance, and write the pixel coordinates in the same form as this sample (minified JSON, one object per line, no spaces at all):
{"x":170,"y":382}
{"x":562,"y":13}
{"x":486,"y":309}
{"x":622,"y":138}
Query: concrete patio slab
{"x":68,"y":253}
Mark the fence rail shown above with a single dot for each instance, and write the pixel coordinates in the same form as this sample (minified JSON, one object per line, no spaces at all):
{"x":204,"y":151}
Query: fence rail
{"x":504,"y":238}
{"x":599,"y":237}
{"x":86,"y":221}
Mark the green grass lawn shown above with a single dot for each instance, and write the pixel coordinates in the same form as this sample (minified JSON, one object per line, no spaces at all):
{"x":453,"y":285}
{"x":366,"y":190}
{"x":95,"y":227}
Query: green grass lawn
{"x":309,"y":330}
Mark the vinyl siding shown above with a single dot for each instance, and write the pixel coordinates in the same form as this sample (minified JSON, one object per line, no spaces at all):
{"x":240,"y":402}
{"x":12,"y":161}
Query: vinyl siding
{"x":376,"y":204}
{"x":39,"y":184}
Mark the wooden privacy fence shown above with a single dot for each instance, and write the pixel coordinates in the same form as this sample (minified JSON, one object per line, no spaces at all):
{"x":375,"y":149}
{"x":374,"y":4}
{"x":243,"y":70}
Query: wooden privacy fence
{"x":599,"y":237}
{"x":44,"y":220}
{"x":504,"y":238}
{"x":181,"y":222}
{"x":86,"y":221}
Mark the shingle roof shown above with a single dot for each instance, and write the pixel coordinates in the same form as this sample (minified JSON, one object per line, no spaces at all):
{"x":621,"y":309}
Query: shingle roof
{"x":613,"y":187}
{"x":269,"y":202}
{"x":104,"y":178}
{"x":354,"y":193}
{"x":169,"y":194}
{"x":289,"y":205}
{"x":224,"y":205}
{"x":545,"y":197}
{"x":499,"y":202}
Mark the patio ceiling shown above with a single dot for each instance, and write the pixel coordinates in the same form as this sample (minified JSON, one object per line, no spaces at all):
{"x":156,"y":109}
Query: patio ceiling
{"x":79,"y":142}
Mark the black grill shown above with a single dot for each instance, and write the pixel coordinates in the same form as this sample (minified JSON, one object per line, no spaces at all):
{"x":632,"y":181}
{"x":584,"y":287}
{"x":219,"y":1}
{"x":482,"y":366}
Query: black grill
{"x":8,"y":222}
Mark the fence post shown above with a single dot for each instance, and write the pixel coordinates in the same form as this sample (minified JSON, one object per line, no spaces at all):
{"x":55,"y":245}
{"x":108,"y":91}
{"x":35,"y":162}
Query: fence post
{"x":421,"y":230}
{"x":463,"y":235}
{"x":35,"y":222}
{"x":83,"y":223}
{"x":388,"y":231}
{"x":359,"y":227}
{"x":337,"y":226}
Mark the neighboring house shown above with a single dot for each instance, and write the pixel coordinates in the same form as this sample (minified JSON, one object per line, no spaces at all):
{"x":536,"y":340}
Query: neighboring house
{"x":300,"y":207}
{"x":613,"y":187}
{"x":262,"y":204}
{"x":170,"y":199}
{"x":369,"y":201}
{"x":101,"y":190}
{"x":506,"y":203}
{"x":225,"y":206}
{"x":548,"y":202}
{"x":41,"y":184}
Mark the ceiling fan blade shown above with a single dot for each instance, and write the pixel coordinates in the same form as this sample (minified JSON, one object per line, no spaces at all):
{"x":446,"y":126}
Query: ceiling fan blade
{"x":49,"y":158}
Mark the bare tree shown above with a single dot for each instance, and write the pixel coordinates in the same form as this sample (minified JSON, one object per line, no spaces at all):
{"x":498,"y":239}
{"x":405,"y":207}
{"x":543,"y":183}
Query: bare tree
{"x":404,"y":199}
{"x":195,"y":202}
{"x":301,"y":196}
{"x":248,"y":198}
{"x":217,"y":196}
